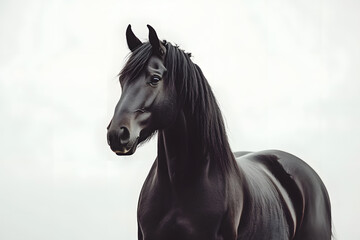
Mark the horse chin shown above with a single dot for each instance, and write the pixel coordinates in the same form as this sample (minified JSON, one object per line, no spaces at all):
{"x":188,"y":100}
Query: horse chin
{"x":131,"y":148}
{"x":127,"y":150}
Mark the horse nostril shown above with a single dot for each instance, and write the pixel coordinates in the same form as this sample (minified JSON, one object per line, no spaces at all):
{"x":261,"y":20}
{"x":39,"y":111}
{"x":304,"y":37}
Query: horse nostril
{"x":124,"y":135}
{"x":113,"y":138}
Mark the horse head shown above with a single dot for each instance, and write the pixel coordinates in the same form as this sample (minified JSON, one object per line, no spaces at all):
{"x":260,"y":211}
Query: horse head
{"x":147,"y":100}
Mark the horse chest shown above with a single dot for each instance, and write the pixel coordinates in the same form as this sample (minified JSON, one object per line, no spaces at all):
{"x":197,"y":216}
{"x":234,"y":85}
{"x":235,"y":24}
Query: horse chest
{"x":175,"y":224}
{"x":162,"y":216}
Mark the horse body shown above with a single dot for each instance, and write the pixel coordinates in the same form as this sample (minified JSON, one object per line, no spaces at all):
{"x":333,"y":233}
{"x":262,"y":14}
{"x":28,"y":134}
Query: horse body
{"x":197,"y":188}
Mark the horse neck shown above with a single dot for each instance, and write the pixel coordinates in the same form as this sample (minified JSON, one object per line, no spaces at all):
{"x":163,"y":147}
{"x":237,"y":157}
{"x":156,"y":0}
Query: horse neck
{"x":180,"y":158}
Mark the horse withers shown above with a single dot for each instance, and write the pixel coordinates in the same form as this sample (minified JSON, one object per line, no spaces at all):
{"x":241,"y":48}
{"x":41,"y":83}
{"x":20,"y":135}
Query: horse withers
{"x":197,"y":189}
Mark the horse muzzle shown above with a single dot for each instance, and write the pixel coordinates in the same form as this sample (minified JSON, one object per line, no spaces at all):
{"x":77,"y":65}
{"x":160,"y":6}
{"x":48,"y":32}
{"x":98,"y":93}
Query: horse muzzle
{"x":121,"y":142}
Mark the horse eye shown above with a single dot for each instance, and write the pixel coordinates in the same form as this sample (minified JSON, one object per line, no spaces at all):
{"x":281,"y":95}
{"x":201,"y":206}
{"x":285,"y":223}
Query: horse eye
{"x":154,"y":80}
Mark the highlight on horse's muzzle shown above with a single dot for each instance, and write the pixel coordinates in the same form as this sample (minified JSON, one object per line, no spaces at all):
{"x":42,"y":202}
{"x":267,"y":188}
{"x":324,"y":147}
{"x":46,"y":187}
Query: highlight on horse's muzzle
{"x":120,"y":142}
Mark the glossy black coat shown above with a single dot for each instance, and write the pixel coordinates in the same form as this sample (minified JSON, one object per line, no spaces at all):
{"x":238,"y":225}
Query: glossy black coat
{"x":197,"y":189}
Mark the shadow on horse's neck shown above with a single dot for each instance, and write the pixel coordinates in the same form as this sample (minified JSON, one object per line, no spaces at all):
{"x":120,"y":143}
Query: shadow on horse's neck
{"x":179,"y":153}
{"x":182,"y":158}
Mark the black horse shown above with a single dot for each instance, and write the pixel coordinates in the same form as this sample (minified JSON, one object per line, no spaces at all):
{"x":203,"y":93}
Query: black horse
{"x":197,"y":188}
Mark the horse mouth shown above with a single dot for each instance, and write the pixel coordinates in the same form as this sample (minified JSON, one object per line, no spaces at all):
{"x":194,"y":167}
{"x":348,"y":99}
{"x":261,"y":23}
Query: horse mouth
{"x":128,"y":149}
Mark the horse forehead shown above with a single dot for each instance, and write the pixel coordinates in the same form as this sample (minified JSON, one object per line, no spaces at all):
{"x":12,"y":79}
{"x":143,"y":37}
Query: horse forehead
{"x":156,"y":62}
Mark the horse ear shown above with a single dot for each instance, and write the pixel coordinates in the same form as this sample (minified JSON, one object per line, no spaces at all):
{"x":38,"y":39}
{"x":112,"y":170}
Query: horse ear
{"x":155,"y":42}
{"x":132,"y":41}
{"x":153,"y":38}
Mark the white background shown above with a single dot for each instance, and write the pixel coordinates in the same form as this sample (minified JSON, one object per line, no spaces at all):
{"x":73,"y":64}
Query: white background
{"x":286,"y":75}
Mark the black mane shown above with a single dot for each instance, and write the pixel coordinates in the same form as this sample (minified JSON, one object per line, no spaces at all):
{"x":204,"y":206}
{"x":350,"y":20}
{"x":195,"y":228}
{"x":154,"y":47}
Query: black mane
{"x":136,"y":62}
{"x":199,"y":103}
